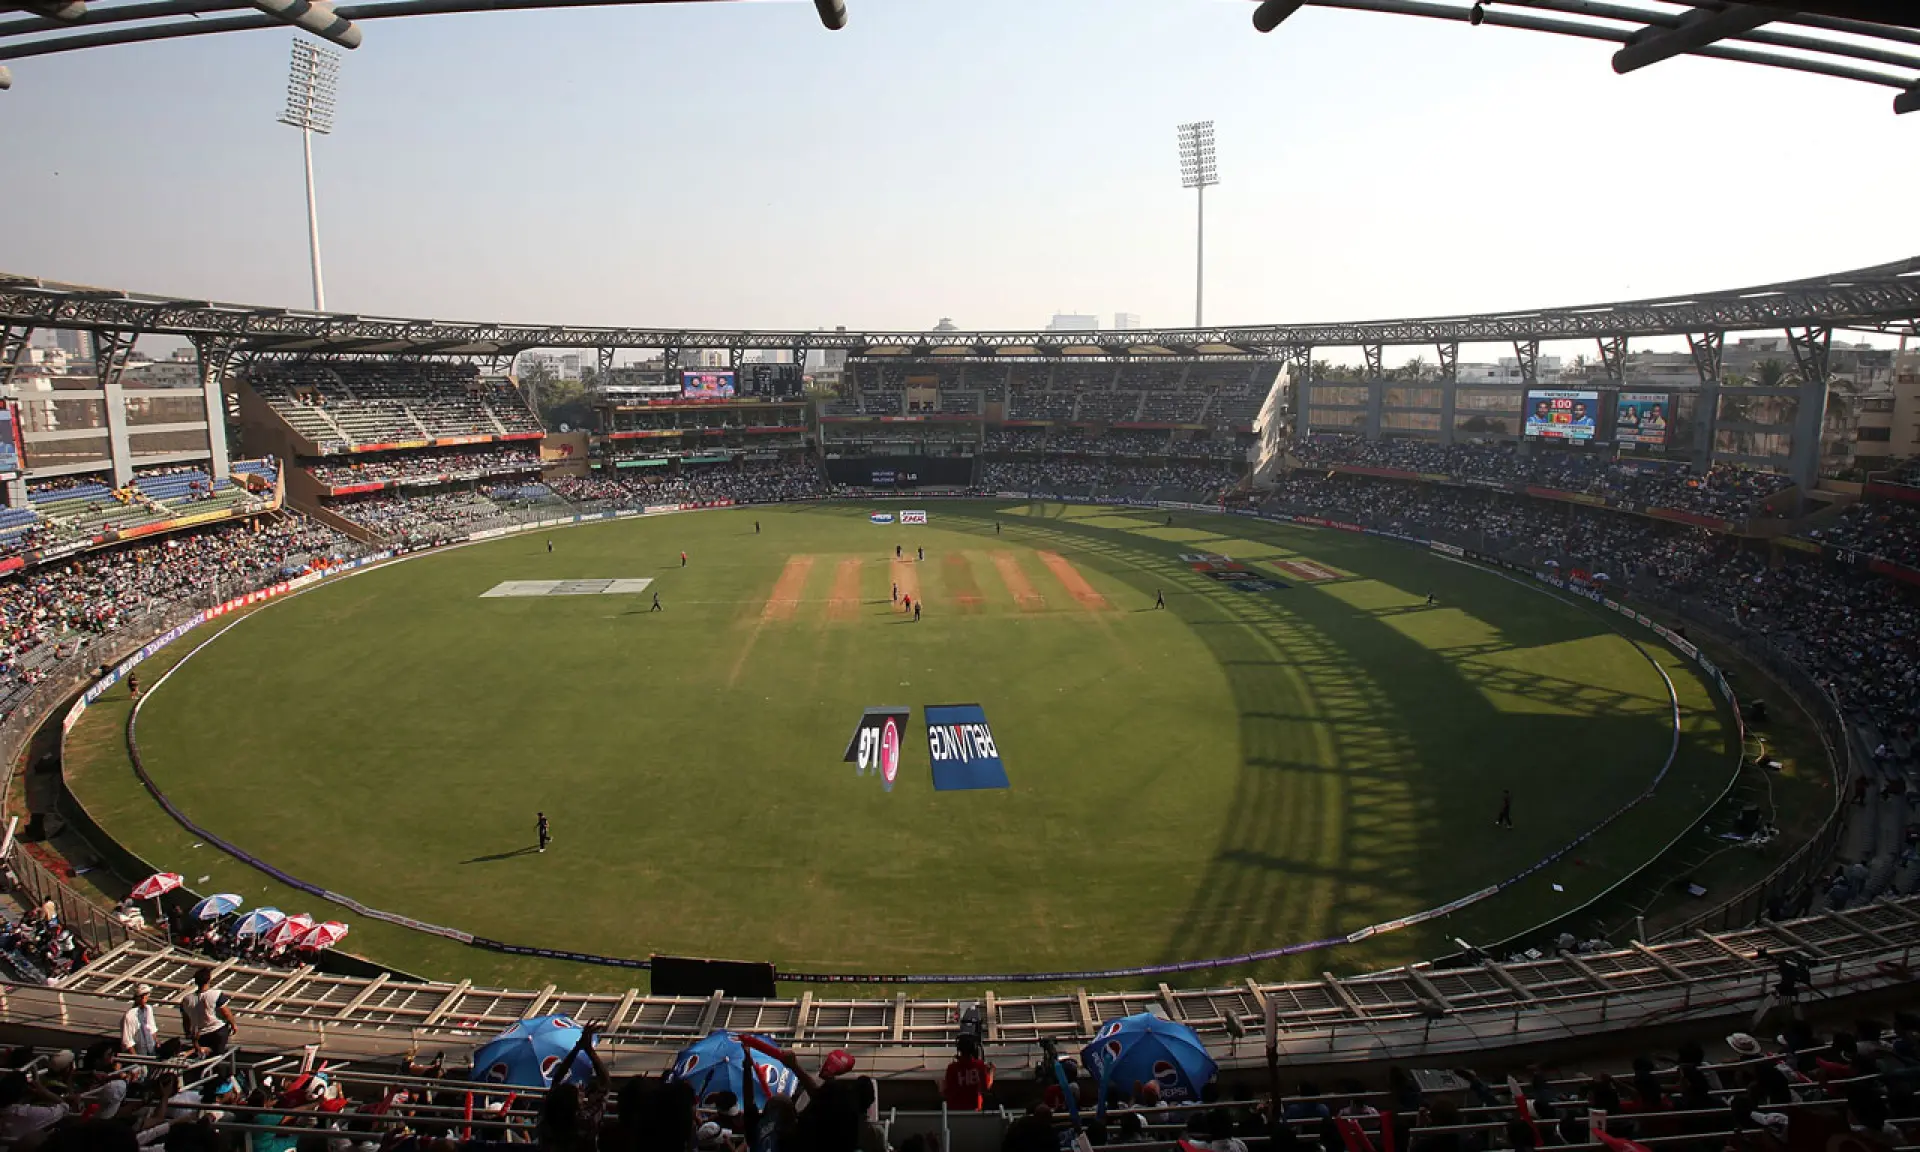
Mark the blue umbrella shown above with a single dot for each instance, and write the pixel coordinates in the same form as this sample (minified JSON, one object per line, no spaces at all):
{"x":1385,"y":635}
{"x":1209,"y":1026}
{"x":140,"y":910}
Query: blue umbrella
{"x":718,"y":1063}
{"x":216,"y":906}
{"x":1146,"y":1047}
{"x":259,"y":922}
{"x":528,"y":1054}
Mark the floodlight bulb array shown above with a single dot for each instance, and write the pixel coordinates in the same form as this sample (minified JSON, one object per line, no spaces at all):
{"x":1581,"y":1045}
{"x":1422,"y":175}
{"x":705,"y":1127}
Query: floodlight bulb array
{"x":1198,"y":165}
{"x":312,"y":81}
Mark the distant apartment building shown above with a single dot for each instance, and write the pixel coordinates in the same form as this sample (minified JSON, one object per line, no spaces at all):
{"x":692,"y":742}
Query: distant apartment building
{"x":1126,"y":321}
{"x":1073,"y":322}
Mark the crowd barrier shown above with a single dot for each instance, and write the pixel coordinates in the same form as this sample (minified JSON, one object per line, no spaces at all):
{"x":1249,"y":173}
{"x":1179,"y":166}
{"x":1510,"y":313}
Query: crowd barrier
{"x":1117,"y":973}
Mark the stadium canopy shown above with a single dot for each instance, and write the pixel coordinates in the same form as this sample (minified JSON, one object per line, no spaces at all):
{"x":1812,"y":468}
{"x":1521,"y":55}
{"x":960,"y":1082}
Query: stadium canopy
{"x":1869,"y":41}
{"x":1884,"y":298}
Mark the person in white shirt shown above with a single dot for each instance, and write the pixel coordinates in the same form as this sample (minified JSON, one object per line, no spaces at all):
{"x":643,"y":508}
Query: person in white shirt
{"x":205,"y":1014}
{"x":139,"y":1031}
{"x":27,"y":1108}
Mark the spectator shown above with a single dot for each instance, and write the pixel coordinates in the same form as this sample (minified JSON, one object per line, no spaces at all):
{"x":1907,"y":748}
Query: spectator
{"x":968,"y":1078}
{"x":206,"y":1014}
{"x":139,"y":1032}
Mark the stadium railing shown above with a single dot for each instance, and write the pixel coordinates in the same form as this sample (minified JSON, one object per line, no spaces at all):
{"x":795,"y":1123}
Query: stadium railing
{"x":1421,"y":1011}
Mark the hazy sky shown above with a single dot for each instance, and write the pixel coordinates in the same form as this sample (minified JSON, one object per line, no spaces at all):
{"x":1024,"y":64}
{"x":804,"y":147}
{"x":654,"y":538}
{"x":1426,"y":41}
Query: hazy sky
{"x":994,"y":161}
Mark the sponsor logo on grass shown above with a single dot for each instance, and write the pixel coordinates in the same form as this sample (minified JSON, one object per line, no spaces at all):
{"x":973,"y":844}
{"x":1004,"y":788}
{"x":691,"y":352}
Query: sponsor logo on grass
{"x":1230,"y":572}
{"x":875,"y":745}
{"x":880,"y":517}
{"x":1306,"y":570}
{"x":962,"y":748}
{"x":913,"y":516}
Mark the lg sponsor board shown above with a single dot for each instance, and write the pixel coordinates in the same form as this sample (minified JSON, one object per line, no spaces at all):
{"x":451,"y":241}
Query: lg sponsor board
{"x":1643,"y":418}
{"x":1562,"y":414}
{"x":706,"y":385}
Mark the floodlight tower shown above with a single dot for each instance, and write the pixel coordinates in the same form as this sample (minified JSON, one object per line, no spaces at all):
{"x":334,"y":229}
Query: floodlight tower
{"x":1199,"y":172}
{"x":311,"y":84}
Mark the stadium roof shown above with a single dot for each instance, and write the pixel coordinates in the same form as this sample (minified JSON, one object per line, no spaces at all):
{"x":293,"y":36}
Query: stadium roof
{"x":1884,"y":298}
{"x":1868,"y":41}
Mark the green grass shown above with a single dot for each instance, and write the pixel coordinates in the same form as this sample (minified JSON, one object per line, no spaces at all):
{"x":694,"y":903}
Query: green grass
{"x":1242,"y":771}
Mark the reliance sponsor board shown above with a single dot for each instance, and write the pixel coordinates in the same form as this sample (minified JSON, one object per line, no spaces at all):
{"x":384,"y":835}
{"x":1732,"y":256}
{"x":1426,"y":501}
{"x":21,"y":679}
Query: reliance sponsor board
{"x":962,"y":748}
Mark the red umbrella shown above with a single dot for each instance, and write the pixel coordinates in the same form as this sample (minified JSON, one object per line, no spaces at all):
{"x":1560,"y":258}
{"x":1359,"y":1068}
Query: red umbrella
{"x":324,"y":935}
{"x":157,"y":885}
{"x":289,"y":930}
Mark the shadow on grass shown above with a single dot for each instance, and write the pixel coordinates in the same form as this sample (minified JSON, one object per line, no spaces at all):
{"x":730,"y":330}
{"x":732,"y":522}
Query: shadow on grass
{"x":529,"y":850}
{"x":1374,"y":757}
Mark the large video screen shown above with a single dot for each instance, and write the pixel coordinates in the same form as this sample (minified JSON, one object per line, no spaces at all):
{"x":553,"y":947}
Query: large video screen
{"x":1643,"y":418}
{"x":706,"y":385}
{"x":1562,"y":414}
{"x":9,"y":443}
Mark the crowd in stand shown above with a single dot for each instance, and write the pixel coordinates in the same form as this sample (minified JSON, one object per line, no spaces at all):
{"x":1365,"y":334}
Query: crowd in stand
{"x":1082,"y":477}
{"x":1853,"y":1088}
{"x":745,"y":482}
{"x":427,"y":465}
{"x":1724,"y":491}
{"x":1884,"y":528}
{"x":1113,"y":443}
{"x":48,"y":611}
{"x":420,"y":519}
{"x":38,"y":946}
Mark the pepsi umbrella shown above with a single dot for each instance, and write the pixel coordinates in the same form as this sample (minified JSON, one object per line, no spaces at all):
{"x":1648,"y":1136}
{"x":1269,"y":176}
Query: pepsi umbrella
{"x":259,"y":922}
{"x":324,"y":935}
{"x":156,"y":885}
{"x":718,"y":1064}
{"x":216,"y":906}
{"x":1145,"y":1047}
{"x":289,"y":930}
{"x":528,"y":1054}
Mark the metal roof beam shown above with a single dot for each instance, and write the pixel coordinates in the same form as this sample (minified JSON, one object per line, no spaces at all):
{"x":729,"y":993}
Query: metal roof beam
{"x":1699,"y":28}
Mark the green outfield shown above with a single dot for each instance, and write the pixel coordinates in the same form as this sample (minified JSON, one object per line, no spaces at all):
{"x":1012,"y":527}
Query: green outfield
{"x":1243,"y":770}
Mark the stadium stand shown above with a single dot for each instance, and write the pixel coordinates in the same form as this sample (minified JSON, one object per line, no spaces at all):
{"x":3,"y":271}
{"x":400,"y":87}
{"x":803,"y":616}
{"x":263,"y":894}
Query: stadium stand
{"x":69,"y":514}
{"x":52,"y":613}
{"x":357,"y":404}
{"x":1707,"y":1078}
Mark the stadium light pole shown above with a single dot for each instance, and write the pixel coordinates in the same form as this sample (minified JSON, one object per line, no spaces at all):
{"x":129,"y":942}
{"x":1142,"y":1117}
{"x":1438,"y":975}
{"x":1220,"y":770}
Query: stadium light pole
{"x":311,"y":84}
{"x":1199,"y":172}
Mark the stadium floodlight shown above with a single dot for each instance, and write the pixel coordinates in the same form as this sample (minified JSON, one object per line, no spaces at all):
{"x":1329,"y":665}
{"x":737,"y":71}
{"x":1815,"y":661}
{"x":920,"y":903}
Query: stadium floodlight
{"x":311,"y":84}
{"x":1268,"y":16}
{"x":317,"y":18}
{"x":1199,"y":172}
{"x":833,"y":13}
